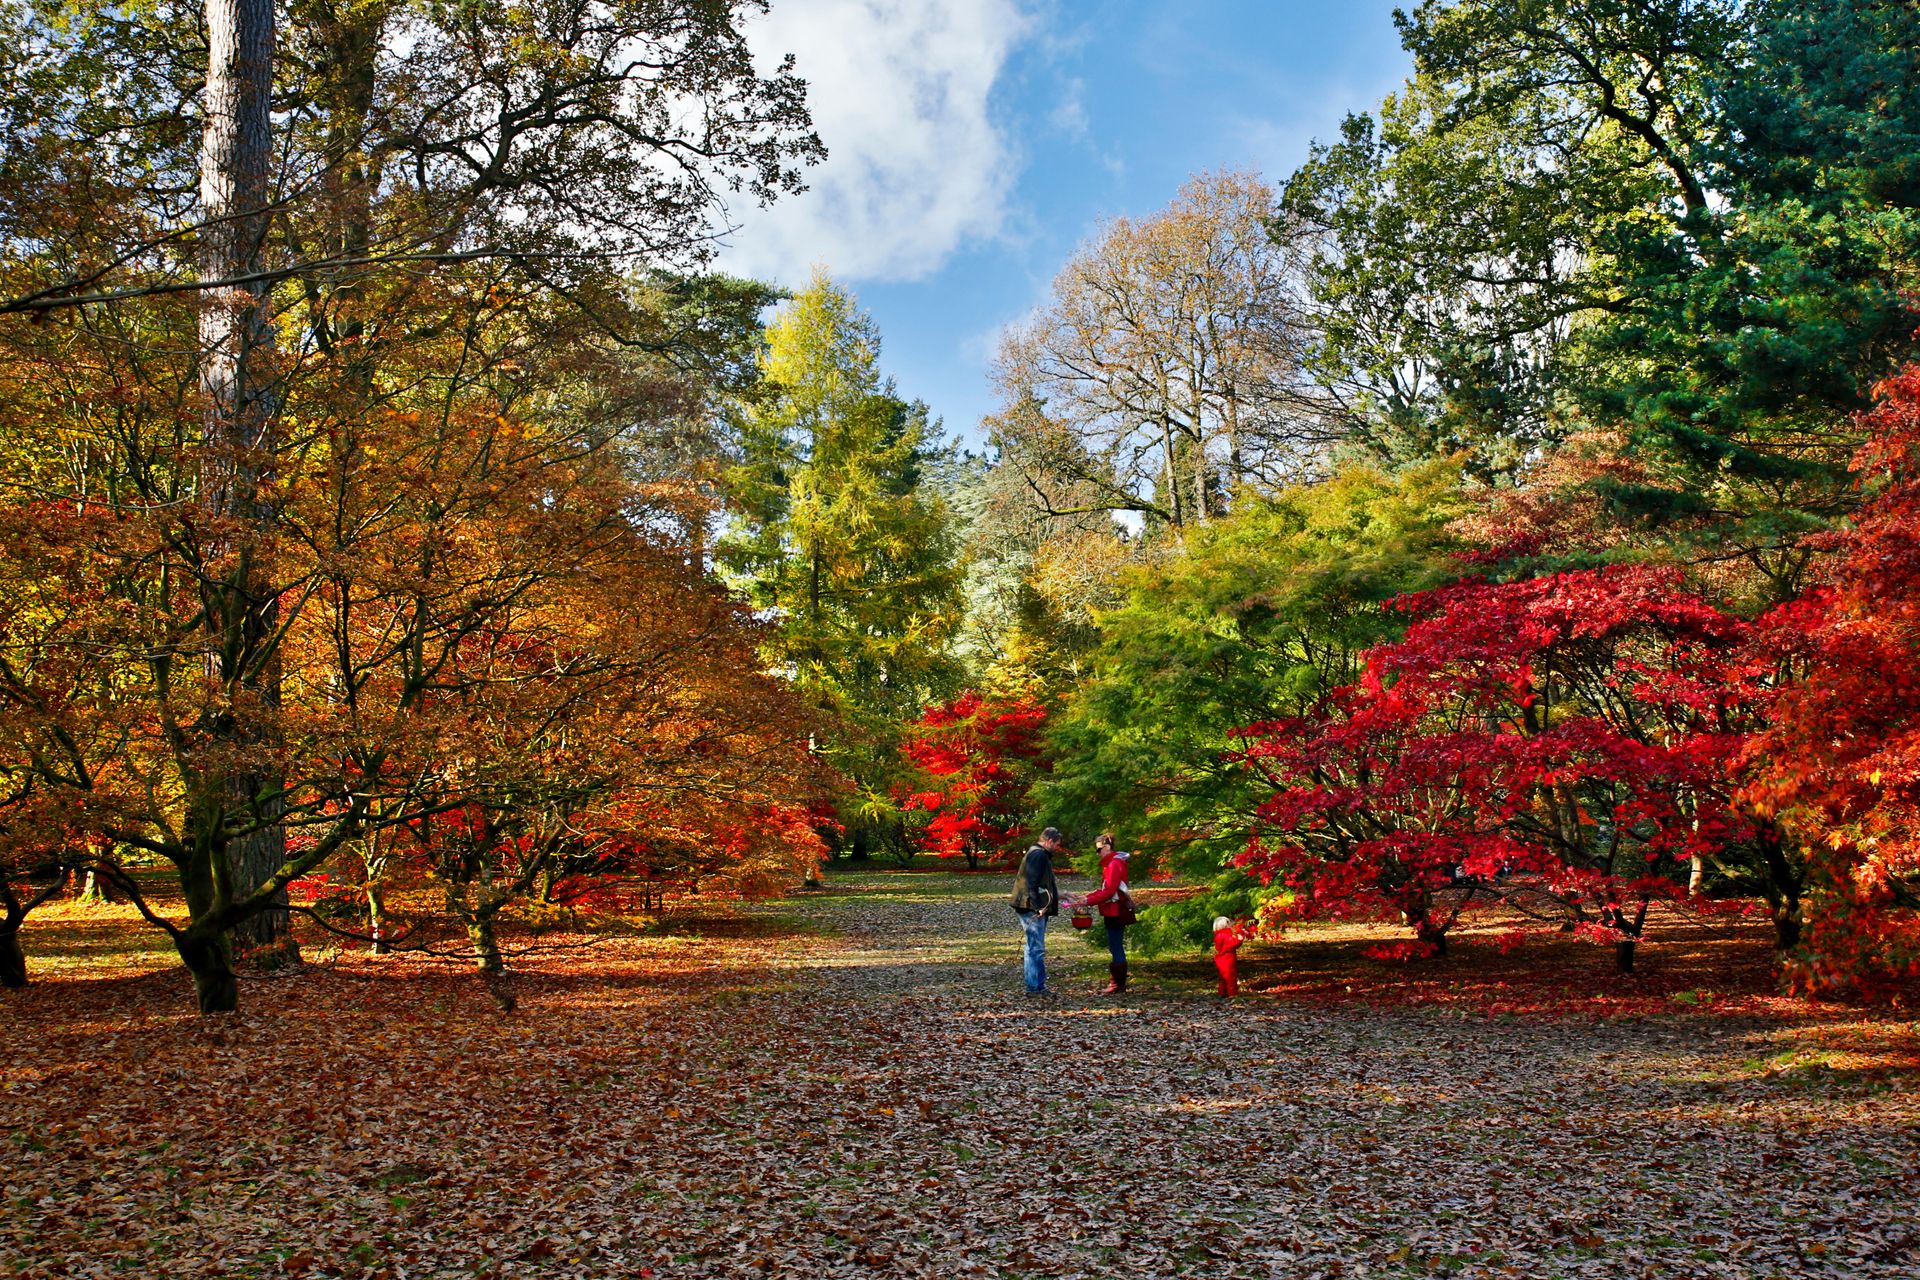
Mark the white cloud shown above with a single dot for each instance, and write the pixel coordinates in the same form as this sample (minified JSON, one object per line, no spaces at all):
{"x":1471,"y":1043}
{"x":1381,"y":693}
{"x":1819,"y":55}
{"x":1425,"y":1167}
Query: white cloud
{"x":1069,"y":114}
{"x":900,"y":92}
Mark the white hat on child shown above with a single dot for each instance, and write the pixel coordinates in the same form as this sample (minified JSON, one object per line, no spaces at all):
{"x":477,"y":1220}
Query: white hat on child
{"x":1219,"y":923}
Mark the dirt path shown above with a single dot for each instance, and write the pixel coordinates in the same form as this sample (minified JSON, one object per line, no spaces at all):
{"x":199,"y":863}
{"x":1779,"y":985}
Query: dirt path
{"x":1175,"y":1134}
{"x":851,"y":1084}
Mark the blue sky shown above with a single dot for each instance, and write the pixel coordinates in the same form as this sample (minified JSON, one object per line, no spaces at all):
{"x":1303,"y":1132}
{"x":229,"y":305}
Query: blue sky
{"x":976,"y":143}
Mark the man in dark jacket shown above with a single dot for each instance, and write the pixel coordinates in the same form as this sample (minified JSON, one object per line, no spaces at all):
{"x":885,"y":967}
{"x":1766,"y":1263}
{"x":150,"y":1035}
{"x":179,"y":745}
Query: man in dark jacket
{"x":1036,"y":900}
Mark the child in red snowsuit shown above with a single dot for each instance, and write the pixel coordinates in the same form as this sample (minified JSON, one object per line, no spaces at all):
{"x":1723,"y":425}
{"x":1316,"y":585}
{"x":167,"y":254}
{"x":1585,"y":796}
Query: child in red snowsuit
{"x":1227,"y":938}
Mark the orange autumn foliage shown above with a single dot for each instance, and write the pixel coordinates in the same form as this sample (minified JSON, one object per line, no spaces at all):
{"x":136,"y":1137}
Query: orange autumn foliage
{"x":485,"y":604}
{"x":1840,"y":762}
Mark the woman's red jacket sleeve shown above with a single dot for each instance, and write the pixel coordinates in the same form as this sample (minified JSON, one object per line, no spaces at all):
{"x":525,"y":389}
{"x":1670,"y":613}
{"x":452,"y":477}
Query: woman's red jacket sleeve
{"x":1113,"y":873}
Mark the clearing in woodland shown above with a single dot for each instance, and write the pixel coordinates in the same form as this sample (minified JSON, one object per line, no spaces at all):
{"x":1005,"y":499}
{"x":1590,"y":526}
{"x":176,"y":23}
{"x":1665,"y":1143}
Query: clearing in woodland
{"x":851,"y":1083}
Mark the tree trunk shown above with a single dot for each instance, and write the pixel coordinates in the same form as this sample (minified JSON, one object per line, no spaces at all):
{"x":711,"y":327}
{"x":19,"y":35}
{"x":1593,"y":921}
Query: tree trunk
{"x":1202,"y":473}
{"x":486,"y":947}
{"x":255,"y":859}
{"x":1784,"y":884}
{"x":13,"y":961}
{"x":1235,"y":461}
{"x":1427,"y":931}
{"x":813,"y":598}
{"x":95,"y":888}
{"x":206,"y":945}
{"x":1172,"y":469}
{"x":352,"y":36}
{"x":1786,"y":926}
{"x":376,"y":919}
{"x":235,"y":381}
{"x":1625,"y":950}
{"x":209,"y":958}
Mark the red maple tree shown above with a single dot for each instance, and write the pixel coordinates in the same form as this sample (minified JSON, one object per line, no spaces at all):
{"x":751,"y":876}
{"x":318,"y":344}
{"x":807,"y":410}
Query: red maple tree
{"x":976,"y":756}
{"x":1562,"y":744}
{"x":1840,"y":760}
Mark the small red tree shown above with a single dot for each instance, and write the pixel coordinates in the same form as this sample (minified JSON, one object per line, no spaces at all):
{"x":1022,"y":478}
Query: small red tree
{"x":977,"y":757}
{"x":1571,"y":734}
{"x":1840,"y":761}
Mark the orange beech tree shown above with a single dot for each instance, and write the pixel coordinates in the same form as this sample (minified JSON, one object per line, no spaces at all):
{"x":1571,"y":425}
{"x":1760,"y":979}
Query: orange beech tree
{"x":41,"y":845}
{"x":482,"y":596}
{"x":240,"y":245}
{"x":603,"y":740}
{"x":42,"y":836}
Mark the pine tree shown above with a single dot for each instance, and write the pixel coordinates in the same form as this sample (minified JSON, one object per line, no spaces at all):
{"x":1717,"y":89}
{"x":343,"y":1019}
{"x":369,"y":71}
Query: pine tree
{"x":839,"y":536}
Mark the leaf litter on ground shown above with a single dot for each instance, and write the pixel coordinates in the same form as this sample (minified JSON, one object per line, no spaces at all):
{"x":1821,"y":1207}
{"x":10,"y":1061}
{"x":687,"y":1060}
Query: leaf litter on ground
{"x":851,"y":1084}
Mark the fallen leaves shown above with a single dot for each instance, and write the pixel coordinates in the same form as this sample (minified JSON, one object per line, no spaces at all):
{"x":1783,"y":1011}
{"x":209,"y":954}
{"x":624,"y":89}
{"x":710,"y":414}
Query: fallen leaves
{"x":870,"y":1095}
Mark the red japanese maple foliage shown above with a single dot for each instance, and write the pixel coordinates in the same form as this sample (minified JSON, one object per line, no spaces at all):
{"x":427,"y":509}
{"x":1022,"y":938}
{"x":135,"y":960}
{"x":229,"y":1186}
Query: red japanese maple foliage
{"x":1562,"y":742}
{"x":1840,"y":761}
{"x":977,"y":756}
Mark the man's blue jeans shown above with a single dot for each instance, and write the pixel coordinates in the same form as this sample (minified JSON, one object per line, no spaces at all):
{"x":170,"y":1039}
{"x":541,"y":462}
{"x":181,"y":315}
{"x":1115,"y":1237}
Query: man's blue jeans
{"x":1035,"y":968}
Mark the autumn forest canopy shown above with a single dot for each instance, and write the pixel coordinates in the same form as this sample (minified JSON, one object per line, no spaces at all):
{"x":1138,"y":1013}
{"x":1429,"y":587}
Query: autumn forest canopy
{"x":407,"y":532}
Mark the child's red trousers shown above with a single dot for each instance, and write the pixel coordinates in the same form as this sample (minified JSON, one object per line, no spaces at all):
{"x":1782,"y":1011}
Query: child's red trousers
{"x":1228,"y":963}
{"x":1226,"y":958}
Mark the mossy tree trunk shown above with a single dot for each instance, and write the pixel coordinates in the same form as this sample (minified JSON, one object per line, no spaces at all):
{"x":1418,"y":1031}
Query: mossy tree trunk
{"x":1626,"y":950}
{"x":377,"y":918}
{"x":209,"y":958}
{"x":486,"y":945}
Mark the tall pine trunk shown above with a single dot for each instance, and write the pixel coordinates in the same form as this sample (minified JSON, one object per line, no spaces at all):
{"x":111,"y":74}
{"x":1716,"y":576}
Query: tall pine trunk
{"x":236,"y":386}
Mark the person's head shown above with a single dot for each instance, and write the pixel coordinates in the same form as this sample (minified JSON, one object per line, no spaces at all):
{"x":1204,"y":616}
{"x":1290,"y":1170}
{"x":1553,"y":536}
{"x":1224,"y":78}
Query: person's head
{"x":1105,"y":844}
{"x":1219,"y":923}
{"x":1050,"y":838}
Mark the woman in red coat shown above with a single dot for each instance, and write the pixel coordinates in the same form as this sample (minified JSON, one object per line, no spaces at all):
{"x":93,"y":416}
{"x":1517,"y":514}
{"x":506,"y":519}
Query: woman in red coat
{"x":1116,"y":909}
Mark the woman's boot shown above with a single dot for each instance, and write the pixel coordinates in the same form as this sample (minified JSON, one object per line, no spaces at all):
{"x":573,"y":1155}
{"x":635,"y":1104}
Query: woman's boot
{"x":1117,"y":973}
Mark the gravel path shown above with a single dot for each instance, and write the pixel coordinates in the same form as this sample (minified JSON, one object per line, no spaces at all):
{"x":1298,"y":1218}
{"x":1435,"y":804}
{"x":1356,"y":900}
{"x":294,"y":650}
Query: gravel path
{"x":931,"y":934}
